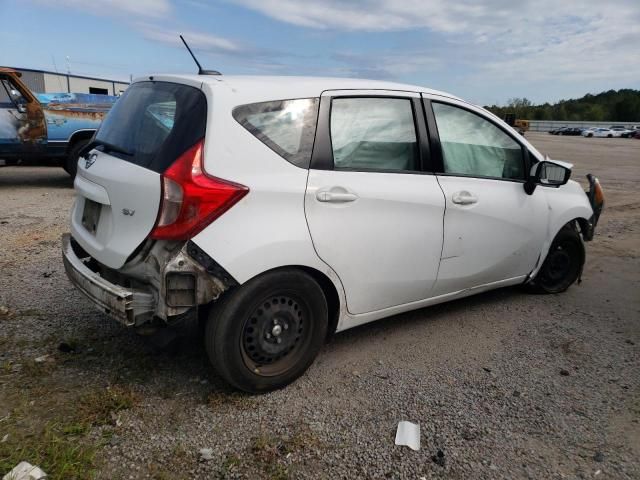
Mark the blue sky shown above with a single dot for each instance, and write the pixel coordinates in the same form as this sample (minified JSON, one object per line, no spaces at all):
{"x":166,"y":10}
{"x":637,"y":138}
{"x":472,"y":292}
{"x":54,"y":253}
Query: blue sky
{"x":484,"y":51}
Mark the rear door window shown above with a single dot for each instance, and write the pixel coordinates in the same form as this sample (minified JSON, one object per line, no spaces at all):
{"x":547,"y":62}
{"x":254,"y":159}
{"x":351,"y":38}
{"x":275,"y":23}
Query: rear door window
{"x":155,"y":122}
{"x":286,"y":126}
{"x":373,"y":134}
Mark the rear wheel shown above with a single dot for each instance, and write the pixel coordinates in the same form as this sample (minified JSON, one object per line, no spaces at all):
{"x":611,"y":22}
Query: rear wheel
{"x":563,"y":264}
{"x":590,"y":135}
{"x":266,"y":334}
{"x":609,"y":136}
{"x":71,"y":162}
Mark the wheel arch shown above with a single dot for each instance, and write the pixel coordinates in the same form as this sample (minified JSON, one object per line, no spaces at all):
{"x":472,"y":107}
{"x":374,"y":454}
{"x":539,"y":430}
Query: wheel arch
{"x":332,"y":291}
{"x":580,"y":224}
{"x":78,"y":136}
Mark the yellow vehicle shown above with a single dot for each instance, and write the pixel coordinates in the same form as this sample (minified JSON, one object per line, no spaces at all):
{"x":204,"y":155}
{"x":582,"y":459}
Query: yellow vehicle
{"x":520,"y":125}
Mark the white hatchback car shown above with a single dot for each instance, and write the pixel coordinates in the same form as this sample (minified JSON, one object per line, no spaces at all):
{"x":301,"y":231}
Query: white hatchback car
{"x":282,"y":210}
{"x":600,"y":133}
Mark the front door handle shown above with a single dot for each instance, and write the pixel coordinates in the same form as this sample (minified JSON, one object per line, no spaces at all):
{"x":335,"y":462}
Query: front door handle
{"x":336,"y":195}
{"x":464,"y":198}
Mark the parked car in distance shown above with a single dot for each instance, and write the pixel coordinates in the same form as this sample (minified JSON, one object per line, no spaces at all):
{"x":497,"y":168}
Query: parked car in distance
{"x":555,"y":131}
{"x":571,"y":131}
{"x":630,"y":133}
{"x":279,"y":210}
{"x":598,"y":132}
{"x":619,"y":131}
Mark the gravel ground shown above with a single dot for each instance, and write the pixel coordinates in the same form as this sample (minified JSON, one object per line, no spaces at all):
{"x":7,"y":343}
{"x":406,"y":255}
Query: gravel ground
{"x":503,"y":384}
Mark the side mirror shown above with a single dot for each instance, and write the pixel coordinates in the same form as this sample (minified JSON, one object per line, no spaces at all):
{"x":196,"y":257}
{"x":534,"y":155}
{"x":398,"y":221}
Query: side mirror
{"x":22,"y":108}
{"x":546,"y":173}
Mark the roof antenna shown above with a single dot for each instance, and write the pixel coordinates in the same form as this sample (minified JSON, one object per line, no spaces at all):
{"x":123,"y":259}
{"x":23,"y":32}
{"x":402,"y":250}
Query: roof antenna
{"x":200,"y":70}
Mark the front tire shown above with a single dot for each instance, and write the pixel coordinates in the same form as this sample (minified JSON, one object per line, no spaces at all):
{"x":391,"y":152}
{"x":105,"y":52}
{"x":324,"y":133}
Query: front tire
{"x":266,"y":334}
{"x":563,"y":264}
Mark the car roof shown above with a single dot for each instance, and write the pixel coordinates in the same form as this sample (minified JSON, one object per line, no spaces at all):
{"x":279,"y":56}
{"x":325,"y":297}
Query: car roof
{"x":254,"y":88}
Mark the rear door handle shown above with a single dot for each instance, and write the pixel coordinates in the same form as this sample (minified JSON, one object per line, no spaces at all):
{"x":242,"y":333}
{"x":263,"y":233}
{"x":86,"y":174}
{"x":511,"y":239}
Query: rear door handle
{"x":464,"y":198}
{"x":336,"y":195}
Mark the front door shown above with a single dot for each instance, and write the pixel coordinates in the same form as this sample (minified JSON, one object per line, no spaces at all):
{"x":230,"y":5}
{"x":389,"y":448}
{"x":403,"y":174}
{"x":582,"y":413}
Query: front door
{"x":22,"y":124}
{"x":493,"y":230}
{"x":375,"y":218}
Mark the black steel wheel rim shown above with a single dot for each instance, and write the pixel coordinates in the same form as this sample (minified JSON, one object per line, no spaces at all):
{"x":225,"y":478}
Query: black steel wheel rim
{"x":276,"y":334}
{"x":560,"y":264}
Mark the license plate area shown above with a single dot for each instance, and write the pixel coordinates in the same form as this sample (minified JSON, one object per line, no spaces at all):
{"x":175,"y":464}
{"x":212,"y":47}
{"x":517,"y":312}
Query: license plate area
{"x":91,"y":215}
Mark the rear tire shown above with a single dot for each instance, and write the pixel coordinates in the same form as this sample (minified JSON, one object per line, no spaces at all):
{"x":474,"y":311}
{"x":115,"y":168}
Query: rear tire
{"x":265,"y":334}
{"x":563,"y":264}
{"x":609,"y":136}
{"x":71,"y":162}
{"x":590,"y":135}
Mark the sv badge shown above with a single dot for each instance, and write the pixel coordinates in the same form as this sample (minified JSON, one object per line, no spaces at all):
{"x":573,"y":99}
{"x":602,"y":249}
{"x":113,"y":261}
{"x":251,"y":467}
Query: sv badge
{"x":126,"y":211}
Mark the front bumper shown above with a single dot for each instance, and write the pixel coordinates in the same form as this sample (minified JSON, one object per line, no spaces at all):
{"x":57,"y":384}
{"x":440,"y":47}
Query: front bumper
{"x":122,"y":304}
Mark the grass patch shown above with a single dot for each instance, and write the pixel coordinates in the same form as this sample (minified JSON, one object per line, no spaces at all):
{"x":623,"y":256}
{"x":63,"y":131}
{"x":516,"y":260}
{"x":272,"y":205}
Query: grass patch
{"x":230,"y":464}
{"x":271,"y":452}
{"x":32,"y":369}
{"x":57,"y":448}
{"x":99,"y":408}
{"x":52,"y":430}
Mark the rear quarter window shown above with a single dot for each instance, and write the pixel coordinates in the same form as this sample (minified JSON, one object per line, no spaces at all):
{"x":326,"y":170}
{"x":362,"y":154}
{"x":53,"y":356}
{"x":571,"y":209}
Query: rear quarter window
{"x":285,"y":126}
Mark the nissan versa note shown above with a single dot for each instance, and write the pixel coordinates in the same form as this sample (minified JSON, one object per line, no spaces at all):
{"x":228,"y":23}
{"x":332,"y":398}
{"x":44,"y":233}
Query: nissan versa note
{"x":280,"y":210}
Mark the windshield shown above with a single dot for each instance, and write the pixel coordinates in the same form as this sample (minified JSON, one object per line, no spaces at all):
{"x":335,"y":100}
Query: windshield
{"x":154,"y":122}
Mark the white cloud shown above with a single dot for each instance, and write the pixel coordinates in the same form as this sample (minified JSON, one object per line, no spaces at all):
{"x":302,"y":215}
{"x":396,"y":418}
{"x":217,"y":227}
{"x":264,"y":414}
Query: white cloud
{"x":139,"y":8}
{"x":196,"y":40}
{"x":499,"y":41}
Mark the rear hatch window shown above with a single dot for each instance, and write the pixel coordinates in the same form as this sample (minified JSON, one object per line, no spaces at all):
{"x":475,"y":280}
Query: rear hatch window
{"x":153,"y":123}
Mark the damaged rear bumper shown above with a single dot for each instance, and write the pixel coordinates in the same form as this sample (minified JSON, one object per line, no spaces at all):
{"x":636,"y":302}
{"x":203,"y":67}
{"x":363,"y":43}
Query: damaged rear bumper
{"x":164,"y":281}
{"x":122,"y":304}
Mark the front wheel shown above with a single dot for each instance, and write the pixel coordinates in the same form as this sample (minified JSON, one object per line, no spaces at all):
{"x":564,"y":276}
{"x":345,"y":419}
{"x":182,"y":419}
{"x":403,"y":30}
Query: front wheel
{"x":563,"y":264}
{"x":609,"y":136}
{"x":266,"y":333}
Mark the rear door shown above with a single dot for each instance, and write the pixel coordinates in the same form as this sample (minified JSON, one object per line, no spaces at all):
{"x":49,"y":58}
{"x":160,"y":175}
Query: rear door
{"x":119,"y":182}
{"x":493,"y":230}
{"x":374,"y":216}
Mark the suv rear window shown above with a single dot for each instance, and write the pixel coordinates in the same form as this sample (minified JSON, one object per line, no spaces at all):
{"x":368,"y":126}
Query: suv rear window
{"x":156,"y":122}
{"x":286,"y":126}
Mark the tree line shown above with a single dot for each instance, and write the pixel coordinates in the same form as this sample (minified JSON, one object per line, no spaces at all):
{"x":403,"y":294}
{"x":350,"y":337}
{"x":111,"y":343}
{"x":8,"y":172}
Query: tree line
{"x":614,"y":105}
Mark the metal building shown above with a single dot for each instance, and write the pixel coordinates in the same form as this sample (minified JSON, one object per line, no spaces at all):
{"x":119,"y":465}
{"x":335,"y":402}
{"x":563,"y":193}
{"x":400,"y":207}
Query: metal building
{"x":43,"y":81}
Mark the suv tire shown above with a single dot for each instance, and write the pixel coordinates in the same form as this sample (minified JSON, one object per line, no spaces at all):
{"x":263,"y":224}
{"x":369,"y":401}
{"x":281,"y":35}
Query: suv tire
{"x":563,"y":264}
{"x":266,"y":333}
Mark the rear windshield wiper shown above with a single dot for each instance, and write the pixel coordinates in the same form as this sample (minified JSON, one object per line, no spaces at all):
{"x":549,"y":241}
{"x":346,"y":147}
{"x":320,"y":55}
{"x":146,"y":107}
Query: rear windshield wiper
{"x":107,"y":147}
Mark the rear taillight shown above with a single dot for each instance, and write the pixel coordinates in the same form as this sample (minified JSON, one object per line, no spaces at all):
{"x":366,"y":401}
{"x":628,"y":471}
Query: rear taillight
{"x":191,"y":199}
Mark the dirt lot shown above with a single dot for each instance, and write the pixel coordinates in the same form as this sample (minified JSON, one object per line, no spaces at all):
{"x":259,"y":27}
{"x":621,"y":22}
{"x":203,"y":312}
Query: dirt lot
{"x":504,"y":384}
